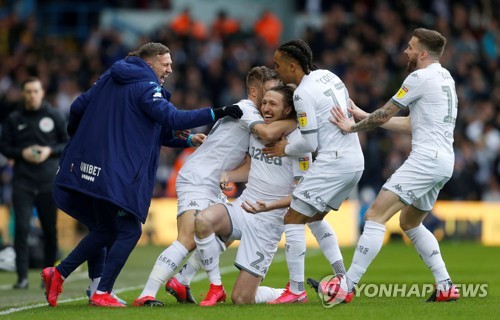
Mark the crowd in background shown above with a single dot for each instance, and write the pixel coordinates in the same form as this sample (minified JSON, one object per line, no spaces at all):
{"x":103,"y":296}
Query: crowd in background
{"x":361,"y":41}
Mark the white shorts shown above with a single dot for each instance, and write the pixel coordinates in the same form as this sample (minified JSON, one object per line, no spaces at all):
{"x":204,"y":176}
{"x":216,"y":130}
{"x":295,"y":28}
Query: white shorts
{"x":239,"y":219}
{"x":191,"y":197}
{"x":414,"y":186}
{"x":259,"y":239}
{"x":322,"y":191}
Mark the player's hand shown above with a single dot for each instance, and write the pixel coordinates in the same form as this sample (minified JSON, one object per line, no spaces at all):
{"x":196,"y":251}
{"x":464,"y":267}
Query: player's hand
{"x":340,"y":119}
{"x":224,"y":182}
{"x":182,"y":134}
{"x":258,"y":206}
{"x":275,"y":149}
{"x":233,"y":111}
{"x":356,"y":111}
{"x":197,"y":139}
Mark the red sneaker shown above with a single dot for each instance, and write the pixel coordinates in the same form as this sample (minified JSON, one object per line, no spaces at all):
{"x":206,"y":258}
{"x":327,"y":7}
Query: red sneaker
{"x":147,"y":301}
{"x":180,"y":291}
{"x":104,"y":300}
{"x":214,"y":295}
{"x":53,"y":285}
{"x":288,"y":297}
{"x":47,"y":274}
{"x":440,"y":295}
{"x":349,"y":296}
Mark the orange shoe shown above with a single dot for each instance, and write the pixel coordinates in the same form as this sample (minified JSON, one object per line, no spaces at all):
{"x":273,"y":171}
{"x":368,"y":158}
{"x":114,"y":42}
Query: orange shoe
{"x":180,"y":291}
{"x":214,"y":295}
{"x":53,"y":285}
{"x":104,"y":300}
{"x":147,"y":301}
{"x":289,"y":297}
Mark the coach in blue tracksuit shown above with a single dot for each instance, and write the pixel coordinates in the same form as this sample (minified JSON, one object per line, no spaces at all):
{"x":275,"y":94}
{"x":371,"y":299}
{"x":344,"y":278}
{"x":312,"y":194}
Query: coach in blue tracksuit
{"x":107,"y":171}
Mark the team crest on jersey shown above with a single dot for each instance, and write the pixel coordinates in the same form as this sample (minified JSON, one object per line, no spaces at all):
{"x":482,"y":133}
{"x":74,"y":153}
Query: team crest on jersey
{"x":402,"y":92}
{"x":157,"y":93}
{"x":302,"y":118}
{"x":46,"y":124}
{"x":304,"y":163}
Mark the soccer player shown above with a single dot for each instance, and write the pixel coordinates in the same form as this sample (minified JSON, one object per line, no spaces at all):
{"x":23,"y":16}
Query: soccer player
{"x":333,"y":175}
{"x":116,"y":131}
{"x":429,"y":92}
{"x":269,"y":179}
{"x":197,"y":183}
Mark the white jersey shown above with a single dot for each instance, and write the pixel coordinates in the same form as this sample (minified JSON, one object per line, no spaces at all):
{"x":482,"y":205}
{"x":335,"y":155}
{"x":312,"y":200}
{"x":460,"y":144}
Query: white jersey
{"x":273,"y":178}
{"x":430,"y":94}
{"x":315,"y":96}
{"x":224,"y":149}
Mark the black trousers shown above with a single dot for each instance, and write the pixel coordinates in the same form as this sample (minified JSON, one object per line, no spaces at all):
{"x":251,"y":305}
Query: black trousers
{"x":23,"y":201}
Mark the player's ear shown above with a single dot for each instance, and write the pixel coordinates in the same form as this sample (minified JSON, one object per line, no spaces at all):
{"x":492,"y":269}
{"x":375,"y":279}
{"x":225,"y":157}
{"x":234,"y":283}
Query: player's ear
{"x":252,"y":91}
{"x":287,"y":112}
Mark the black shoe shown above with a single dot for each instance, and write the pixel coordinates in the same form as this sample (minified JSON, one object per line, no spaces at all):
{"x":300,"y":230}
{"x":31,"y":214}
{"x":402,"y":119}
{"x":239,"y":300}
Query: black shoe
{"x":23,"y":284}
{"x":147,"y":301}
{"x":313,"y":284}
{"x":449,"y":295}
{"x":182,"y":293}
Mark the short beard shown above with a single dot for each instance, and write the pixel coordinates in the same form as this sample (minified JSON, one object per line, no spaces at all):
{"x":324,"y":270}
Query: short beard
{"x":411,"y":66}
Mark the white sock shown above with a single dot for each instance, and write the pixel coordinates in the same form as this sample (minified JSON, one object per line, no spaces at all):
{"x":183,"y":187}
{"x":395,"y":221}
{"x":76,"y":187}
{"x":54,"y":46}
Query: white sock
{"x":164,"y":267}
{"x":93,"y":285}
{"x":295,"y":256}
{"x":368,"y":247}
{"x":189,"y":270}
{"x":428,"y":248}
{"x":209,"y":250}
{"x":267,"y":294}
{"x":327,"y":240}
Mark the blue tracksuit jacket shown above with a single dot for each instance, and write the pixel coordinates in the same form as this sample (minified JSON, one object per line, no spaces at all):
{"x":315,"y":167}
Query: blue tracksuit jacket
{"x":117,"y":129}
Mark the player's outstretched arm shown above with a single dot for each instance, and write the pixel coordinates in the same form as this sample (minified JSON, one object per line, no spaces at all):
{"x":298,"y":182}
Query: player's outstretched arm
{"x":269,"y":132}
{"x":239,"y":174}
{"x":263,"y":206}
{"x":397,"y":124}
{"x":375,"y":119}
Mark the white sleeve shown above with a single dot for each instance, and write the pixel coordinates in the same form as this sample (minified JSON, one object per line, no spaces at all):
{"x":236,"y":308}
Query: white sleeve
{"x":308,"y":125}
{"x":410,"y":90}
{"x":251,"y":116}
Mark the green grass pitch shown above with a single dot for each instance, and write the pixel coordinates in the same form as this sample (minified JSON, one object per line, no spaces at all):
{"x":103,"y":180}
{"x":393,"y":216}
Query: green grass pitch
{"x":397,"y":263}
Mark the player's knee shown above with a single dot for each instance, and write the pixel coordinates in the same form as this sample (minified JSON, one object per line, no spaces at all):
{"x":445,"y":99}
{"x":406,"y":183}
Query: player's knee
{"x":293,"y":217}
{"x":201,"y":224}
{"x":187,"y":242}
{"x":371,"y":215}
{"x":407,"y":224}
{"x":239,"y":297}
